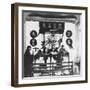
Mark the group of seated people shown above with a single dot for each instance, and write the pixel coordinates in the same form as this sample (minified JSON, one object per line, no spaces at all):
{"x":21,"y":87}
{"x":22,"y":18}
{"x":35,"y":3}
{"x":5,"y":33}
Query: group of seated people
{"x":43,"y":55}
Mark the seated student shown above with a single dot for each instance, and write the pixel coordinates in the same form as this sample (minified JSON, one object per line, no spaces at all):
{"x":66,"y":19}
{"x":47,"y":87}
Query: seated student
{"x":28,"y":62}
{"x":63,"y":52}
{"x":59,"y":57}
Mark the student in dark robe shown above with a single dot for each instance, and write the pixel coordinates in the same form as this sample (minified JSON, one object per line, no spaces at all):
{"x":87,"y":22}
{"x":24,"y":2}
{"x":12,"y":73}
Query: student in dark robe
{"x":28,"y":63}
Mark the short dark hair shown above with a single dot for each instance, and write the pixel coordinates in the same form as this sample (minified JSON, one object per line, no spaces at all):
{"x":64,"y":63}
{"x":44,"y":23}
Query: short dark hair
{"x":62,"y":46}
{"x":28,"y":47}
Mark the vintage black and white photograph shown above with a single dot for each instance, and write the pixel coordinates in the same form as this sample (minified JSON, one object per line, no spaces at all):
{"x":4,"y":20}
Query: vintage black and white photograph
{"x":51,"y":44}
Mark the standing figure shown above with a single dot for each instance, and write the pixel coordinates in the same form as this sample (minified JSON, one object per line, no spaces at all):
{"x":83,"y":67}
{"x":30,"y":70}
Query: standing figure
{"x":28,"y":63}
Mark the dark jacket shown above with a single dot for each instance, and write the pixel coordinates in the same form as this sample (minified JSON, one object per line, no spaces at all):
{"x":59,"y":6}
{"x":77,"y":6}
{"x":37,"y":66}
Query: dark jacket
{"x":28,"y":63}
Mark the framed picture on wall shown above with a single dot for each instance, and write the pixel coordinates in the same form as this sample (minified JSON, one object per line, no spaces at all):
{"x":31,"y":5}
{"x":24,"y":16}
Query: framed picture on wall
{"x":48,"y":44}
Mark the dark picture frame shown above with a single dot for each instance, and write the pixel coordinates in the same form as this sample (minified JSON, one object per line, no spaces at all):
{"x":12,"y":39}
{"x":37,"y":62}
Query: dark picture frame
{"x":34,"y":13}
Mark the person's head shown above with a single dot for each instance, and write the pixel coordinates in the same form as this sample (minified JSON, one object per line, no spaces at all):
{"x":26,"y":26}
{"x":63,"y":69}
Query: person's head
{"x":62,"y":46}
{"x":28,"y":47}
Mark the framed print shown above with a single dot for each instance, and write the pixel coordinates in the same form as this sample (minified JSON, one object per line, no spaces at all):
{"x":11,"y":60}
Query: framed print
{"x":48,"y":44}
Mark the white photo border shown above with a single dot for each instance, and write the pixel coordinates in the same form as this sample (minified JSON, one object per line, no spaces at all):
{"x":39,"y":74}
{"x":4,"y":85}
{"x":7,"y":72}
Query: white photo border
{"x":34,"y":80}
